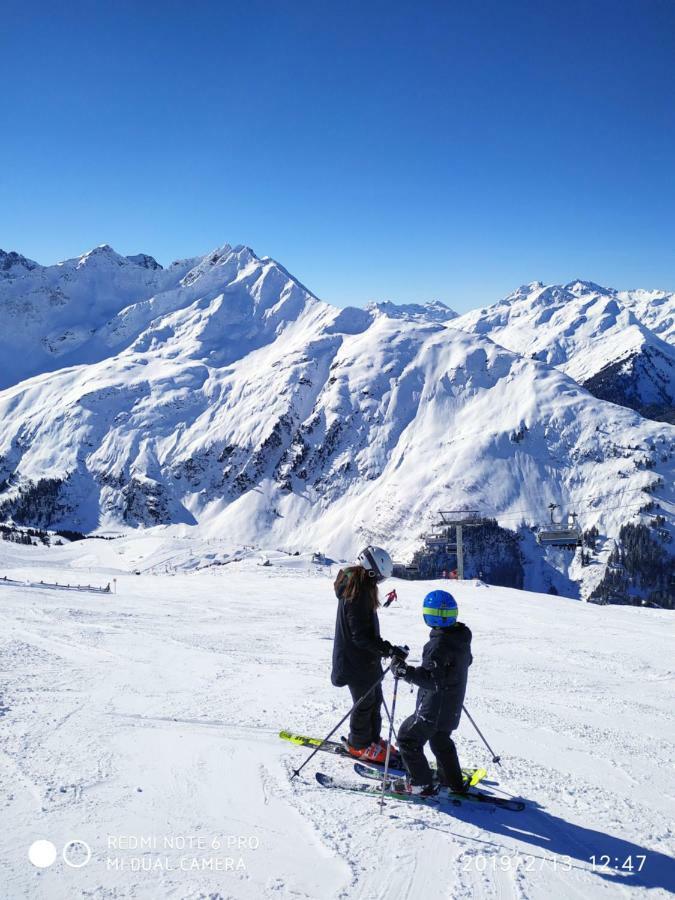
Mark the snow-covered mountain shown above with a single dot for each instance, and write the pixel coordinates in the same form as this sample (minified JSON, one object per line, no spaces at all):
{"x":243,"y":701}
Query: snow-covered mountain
{"x":434,"y":311}
{"x":620,"y":346}
{"x":220,"y":391}
{"x":71,"y":313}
{"x":656,"y":309}
{"x":13,"y":264}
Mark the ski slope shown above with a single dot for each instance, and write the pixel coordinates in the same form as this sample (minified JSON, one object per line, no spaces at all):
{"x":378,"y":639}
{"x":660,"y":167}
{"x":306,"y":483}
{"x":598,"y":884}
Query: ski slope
{"x":153,"y":714}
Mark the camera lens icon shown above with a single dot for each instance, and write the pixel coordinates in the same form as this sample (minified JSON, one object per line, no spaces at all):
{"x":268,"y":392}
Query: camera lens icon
{"x":76,"y":854}
{"x":42,"y":854}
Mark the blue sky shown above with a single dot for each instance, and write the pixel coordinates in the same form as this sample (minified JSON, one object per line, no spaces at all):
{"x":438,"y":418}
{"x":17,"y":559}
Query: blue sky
{"x":403,"y":151}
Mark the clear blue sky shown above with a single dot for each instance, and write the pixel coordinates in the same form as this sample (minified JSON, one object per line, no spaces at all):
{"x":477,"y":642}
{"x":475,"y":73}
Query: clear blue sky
{"x":379,"y":150}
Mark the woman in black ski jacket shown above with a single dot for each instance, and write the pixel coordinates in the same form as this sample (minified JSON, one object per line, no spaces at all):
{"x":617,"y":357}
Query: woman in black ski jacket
{"x":358,"y":649}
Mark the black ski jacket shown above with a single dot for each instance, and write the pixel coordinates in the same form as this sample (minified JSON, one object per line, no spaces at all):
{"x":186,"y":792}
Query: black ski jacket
{"x":358,"y":647}
{"x":442,"y":676}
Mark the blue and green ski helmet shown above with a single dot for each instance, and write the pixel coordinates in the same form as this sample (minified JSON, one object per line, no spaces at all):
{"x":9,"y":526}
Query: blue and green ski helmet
{"x":440,"y":609}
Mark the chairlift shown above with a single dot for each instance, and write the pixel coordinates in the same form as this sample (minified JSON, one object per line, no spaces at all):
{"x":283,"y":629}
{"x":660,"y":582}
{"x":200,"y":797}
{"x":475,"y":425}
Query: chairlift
{"x":559,"y":534}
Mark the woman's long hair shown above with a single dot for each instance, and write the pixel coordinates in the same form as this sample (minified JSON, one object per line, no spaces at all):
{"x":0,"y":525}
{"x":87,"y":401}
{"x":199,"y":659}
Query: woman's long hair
{"x":361,"y":585}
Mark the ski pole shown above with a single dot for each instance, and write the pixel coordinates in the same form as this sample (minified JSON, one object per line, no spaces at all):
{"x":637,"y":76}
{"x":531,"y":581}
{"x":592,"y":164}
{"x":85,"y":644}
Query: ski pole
{"x":391,"y":728}
{"x":389,"y":718}
{"x":343,"y":719}
{"x":405,"y":650}
{"x":495,"y":758}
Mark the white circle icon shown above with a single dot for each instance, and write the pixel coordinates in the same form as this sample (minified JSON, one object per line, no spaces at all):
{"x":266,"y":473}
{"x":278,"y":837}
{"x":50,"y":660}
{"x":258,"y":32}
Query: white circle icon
{"x":76,"y":854}
{"x":42,"y":854}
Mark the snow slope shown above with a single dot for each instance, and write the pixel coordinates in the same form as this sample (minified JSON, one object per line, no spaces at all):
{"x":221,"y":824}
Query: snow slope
{"x":153,"y":713}
{"x":621,"y":346}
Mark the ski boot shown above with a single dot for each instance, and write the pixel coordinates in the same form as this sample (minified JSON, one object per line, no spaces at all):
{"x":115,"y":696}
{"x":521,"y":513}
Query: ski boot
{"x":375,"y":753}
{"x":405,"y":786}
{"x":393,"y":748}
{"x":464,"y":789}
{"x":424,"y":790}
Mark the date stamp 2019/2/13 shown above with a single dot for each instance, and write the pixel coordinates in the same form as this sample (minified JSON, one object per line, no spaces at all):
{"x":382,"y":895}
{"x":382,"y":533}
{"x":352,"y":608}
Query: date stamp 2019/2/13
{"x":522,"y":861}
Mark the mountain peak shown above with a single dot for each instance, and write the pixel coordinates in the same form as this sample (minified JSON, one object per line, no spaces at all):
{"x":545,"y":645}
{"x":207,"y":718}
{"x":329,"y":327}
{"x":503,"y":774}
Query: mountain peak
{"x":579,"y":286}
{"x":222,"y":254}
{"x":432,"y":311}
{"x":144,"y":260}
{"x":228,"y":258}
{"x":11,"y":259}
{"x":103,"y":254}
{"x":525,"y":290}
{"x":245,"y":250}
{"x":545,"y":293}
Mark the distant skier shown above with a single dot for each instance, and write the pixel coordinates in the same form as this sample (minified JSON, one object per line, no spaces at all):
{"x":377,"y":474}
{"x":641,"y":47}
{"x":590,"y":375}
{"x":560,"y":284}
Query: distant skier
{"x":358,"y":649}
{"x":442,"y":684}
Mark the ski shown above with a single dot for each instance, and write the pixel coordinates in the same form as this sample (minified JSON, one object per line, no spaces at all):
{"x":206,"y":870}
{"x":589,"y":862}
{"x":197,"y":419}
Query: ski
{"x":440,"y":800}
{"x":338,"y":749}
{"x":371,"y":790}
{"x":474,"y":776}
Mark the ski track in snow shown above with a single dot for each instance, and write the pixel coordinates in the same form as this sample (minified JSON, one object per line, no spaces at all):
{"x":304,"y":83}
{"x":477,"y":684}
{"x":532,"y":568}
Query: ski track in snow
{"x":155,"y":712}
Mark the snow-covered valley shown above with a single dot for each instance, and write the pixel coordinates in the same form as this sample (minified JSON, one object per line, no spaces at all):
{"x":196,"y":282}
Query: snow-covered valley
{"x":152,"y":714}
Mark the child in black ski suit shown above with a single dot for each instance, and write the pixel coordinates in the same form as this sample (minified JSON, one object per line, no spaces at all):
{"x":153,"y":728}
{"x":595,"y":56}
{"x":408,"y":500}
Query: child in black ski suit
{"x":442,"y":681}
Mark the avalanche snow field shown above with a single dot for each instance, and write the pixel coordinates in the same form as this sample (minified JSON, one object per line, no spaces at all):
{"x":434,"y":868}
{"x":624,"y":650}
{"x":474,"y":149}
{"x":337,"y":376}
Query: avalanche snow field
{"x":145,"y":725}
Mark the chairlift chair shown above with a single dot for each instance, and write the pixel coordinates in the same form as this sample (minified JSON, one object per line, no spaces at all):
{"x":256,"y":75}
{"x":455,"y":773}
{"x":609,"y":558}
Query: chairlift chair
{"x":558,"y":534}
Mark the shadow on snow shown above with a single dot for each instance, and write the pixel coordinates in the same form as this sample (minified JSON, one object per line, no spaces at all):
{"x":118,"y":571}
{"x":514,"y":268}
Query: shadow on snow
{"x":557,"y":837}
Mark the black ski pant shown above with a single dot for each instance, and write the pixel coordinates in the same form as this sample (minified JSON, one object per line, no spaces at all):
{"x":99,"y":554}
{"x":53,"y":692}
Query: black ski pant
{"x":365,"y":724}
{"x":412,"y":736}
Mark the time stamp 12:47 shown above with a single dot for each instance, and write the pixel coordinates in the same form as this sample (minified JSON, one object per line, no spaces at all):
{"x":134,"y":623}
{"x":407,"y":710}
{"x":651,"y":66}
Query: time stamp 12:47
{"x":526,"y":863}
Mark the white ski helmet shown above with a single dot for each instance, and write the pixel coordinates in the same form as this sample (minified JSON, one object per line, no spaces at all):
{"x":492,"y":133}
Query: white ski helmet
{"x":377,"y":562}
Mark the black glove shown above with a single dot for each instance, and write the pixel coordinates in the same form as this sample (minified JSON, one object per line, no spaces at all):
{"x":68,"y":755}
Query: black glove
{"x":395,"y":652}
{"x":399,"y":667}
